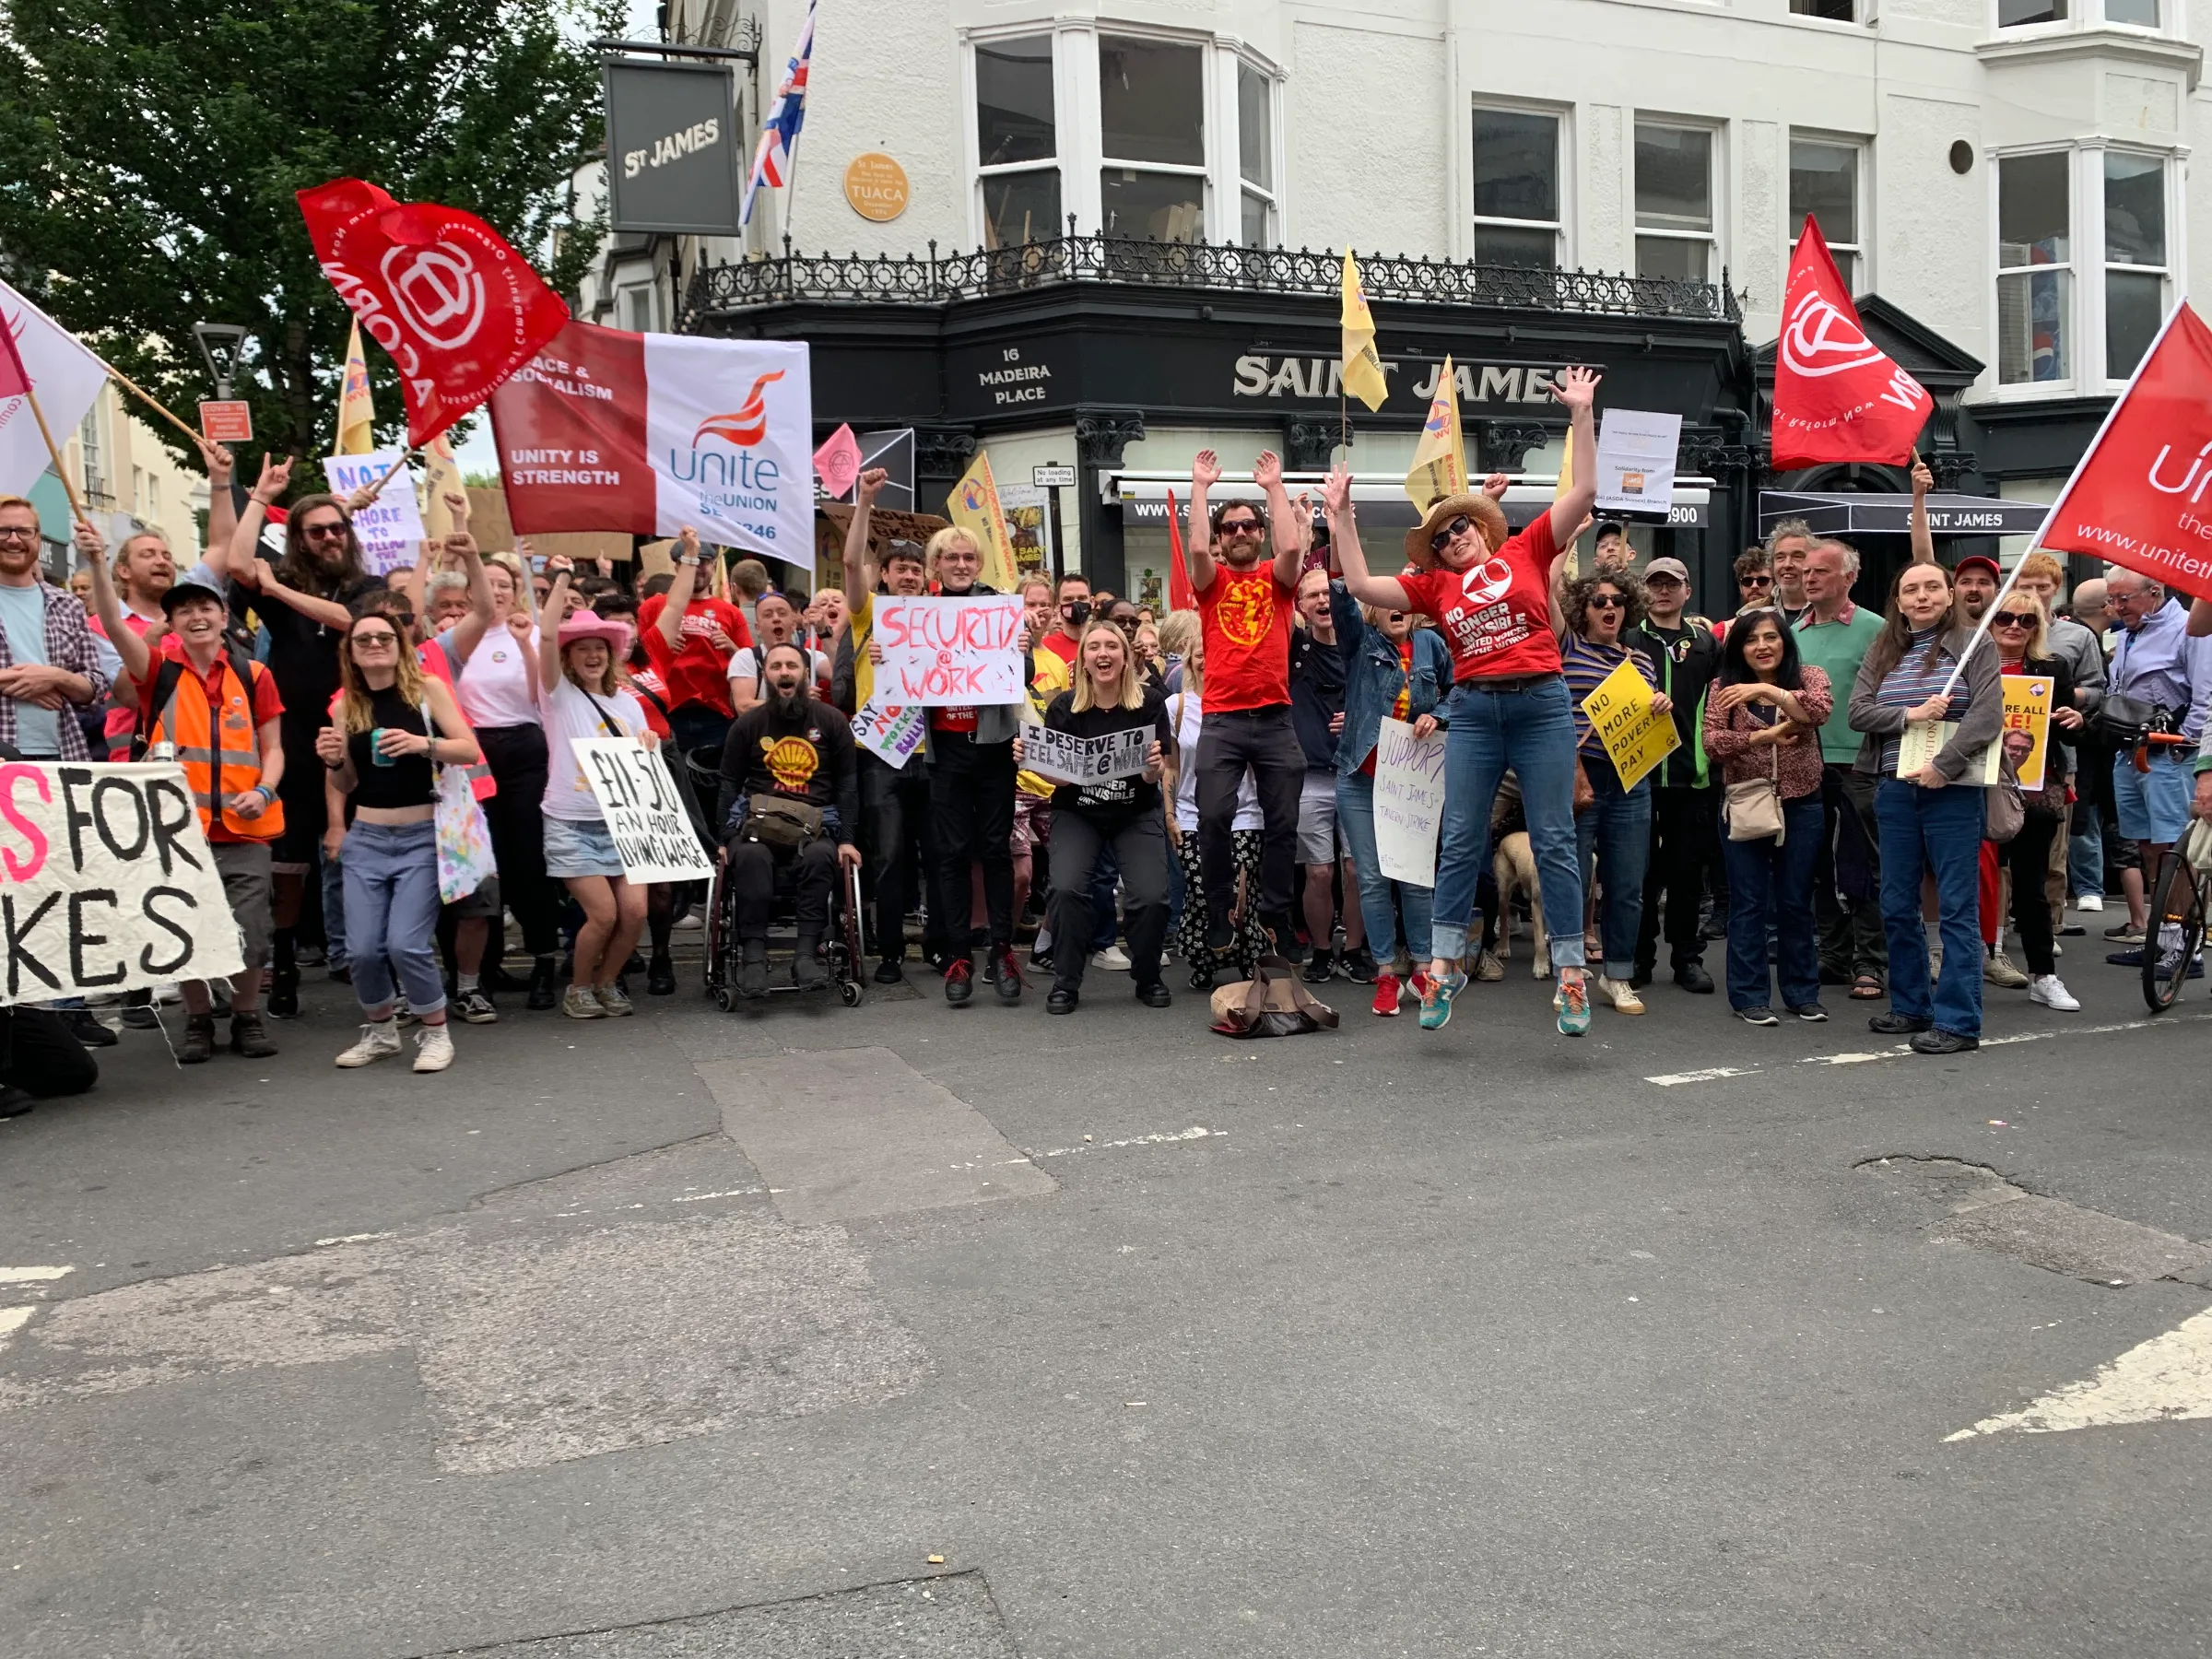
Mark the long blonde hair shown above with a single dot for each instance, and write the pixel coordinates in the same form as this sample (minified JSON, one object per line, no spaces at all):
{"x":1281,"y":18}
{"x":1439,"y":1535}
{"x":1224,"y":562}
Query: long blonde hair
{"x":1129,"y":687}
{"x":1179,"y":632}
{"x":355,"y":712}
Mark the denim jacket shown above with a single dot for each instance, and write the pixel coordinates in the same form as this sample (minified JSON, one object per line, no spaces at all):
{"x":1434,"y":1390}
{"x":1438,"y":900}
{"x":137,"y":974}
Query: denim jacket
{"x":1373,"y":676}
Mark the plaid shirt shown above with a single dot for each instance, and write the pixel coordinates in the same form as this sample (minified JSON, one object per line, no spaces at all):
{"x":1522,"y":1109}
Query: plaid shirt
{"x":69,"y":647}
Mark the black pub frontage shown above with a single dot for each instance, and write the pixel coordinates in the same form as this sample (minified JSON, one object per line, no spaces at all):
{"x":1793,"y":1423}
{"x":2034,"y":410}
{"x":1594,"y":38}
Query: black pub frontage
{"x":1124,"y":359}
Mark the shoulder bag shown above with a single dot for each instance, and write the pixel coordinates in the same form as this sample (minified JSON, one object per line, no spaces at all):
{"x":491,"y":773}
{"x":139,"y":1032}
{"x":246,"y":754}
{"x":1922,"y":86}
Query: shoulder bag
{"x":1752,"y":809}
{"x":465,"y":857}
{"x":1270,"y":1004}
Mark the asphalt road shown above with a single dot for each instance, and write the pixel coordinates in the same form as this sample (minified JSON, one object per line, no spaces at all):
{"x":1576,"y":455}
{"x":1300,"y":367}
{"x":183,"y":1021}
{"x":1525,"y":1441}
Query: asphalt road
{"x":902,"y":1331}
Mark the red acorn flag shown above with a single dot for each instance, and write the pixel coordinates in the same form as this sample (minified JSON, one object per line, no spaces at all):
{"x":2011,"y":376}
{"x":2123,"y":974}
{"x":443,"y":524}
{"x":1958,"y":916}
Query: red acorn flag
{"x":1837,"y":397}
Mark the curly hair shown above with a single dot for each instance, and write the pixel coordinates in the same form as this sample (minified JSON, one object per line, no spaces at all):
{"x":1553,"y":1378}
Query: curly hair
{"x":1582,"y":587}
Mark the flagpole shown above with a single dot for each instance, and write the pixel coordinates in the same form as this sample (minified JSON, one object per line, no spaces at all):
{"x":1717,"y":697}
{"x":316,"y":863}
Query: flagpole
{"x":132,"y":386}
{"x":54,"y":454}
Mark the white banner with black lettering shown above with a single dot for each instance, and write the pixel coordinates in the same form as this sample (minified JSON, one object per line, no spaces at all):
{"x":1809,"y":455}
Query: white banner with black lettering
{"x":650,"y":830}
{"x":1066,"y":759}
{"x":106,"y":882}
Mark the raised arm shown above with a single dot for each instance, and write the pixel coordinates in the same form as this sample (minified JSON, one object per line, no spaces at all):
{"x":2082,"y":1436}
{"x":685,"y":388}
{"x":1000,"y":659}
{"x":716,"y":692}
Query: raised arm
{"x":109,"y":608}
{"x":1923,"y":539}
{"x":1344,"y":536}
{"x":1577,"y":388}
{"x":549,"y":634}
{"x":482,"y":610}
{"x":222,"y":511}
{"x":1206,"y":472}
{"x":859,"y":570}
{"x":671,"y":619}
{"x":242,"y":564}
{"x":1289,"y":544}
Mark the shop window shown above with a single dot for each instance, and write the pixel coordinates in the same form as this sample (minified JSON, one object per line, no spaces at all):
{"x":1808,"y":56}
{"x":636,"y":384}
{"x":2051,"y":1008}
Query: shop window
{"x":1835,"y":11}
{"x":2035,"y":270}
{"x":1517,"y":216}
{"x":1152,"y":110}
{"x":1017,"y":141}
{"x":2135,"y":258}
{"x":2020,"y":14}
{"x":1256,"y":226}
{"x":1674,"y":228}
{"x":1824,"y":182}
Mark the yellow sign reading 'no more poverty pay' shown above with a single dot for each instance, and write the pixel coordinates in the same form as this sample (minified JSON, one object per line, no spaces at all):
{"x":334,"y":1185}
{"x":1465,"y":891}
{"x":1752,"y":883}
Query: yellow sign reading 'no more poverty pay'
{"x":1636,"y":736}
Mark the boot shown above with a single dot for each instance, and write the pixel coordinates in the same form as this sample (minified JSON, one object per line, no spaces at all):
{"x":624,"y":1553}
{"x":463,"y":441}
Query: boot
{"x":284,"y":994}
{"x":199,"y":1040}
{"x":752,"y":969}
{"x":542,"y":992}
{"x":660,"y":976}
{"x":247,"y":1037}
{"x":807,"y":970}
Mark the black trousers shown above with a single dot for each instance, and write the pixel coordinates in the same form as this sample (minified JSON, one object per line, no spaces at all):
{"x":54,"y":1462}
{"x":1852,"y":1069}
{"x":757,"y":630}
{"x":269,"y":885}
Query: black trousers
{"x":897,"y":840}
{"x":1263,"y":740}
{"x":1685,"y":830}
{"x":39,"y":1056}
{"x":2028,"y":856}
{"x":753,"y":867}
{"x":516,"y":816}
{"x":971,"y":815}
{"x":1141,"y":847}
{"x":1851,"y":936}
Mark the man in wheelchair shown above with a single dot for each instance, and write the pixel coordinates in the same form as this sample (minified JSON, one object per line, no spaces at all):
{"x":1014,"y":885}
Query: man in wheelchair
{"x":790,"y":797}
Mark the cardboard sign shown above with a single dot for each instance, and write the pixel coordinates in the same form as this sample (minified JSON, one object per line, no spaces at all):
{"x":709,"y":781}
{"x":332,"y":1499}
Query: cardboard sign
{"x":1636,"y":451}
{"x":1922,"y":740}
{"x":390,"y":527}
{"x":890,"y":733}
{"x":106,"y":882}
{"x":1636,"y":736}
{"x":227,"y":423}
{"x":2027,"y":708}
{"x":1410,"y":803}
{"x":650,"y":830}
{"x":944,"y":652}
{"x":1066,"y":759}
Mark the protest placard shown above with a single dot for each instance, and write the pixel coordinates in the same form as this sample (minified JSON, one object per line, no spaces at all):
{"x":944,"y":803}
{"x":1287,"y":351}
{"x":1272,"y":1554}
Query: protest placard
{"x":2027,"y":708}
{"x":1922,"y":740}
{"x":108,"y":882}
{"x":1636,"y":736}
{"x":1409,"y":801}
{"x":391,"y":526}
{"x":1636,"y":450}
{"x":1067,"y":758}
{"x":944,"y":652}
{"x":890,"y":732}
{"x":650,"y":830}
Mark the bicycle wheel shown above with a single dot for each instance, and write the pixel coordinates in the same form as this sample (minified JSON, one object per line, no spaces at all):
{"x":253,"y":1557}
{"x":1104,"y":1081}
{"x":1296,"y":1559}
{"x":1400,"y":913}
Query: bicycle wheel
{"x":2179,"y":902}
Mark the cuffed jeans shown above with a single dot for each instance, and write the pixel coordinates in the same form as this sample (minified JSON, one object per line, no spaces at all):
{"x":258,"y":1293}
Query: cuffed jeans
{"x":1229,"y":742}
{"x":392,"y":913}
{"x":1356,"y":823}
{"x":1769,"y":884}
{"x":1615,"y":829}
{"x":1938,"y":830}
{"x":1530,"y":729}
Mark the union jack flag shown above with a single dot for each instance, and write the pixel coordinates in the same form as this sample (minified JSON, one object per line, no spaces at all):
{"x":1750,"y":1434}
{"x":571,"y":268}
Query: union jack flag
{"x":779,"y":132}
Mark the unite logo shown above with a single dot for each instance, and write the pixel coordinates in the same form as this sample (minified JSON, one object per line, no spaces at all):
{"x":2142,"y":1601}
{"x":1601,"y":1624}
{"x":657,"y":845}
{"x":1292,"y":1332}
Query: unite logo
{"x":438,"y":292}
{"x":2199,"y":473}
{"x":1819,"y":339}
{"x":744,"y":426}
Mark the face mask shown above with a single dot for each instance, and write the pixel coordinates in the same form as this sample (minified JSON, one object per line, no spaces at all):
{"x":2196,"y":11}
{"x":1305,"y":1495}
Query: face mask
{"x":1079,"y":613}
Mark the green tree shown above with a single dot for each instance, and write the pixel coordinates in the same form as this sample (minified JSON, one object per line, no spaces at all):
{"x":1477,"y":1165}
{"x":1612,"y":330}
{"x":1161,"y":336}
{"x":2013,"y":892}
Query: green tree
{"x":149,"y":151}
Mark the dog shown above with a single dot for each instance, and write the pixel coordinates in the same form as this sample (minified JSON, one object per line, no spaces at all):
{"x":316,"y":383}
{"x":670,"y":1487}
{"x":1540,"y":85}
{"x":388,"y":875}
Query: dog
{"x":1514,"y":867}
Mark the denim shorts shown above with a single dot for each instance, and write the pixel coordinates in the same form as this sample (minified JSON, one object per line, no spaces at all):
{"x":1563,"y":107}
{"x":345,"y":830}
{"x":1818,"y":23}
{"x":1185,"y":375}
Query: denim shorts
{"x":2153,"y":806}
{"x":581,"y":847}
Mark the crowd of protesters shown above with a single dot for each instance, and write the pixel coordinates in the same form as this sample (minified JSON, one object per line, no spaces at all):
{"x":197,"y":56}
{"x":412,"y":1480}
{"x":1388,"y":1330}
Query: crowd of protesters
{"x":319,"y":709}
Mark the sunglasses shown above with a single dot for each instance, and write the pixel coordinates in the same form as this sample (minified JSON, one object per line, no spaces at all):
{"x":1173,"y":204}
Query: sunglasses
{"x":320,"y":532}
{"x":1752,"y":582}
{"x":379,"y":640}
{"x":1607,"y":601}
{"x":1458,"y":526}
{"x":1243,"y":526}
{"x":2013,"y":619}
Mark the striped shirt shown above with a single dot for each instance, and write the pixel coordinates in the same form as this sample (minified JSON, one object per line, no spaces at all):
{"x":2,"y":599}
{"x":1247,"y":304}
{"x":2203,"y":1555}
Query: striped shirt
{"x":1919,"y":674}
{"x":1585,"y":666}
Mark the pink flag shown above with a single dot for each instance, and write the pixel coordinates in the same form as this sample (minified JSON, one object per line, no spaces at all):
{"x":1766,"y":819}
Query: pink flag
{"x":837,"y":461}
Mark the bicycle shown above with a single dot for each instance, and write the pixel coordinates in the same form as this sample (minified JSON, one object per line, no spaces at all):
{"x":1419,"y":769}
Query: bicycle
{"x":2181,"y":900}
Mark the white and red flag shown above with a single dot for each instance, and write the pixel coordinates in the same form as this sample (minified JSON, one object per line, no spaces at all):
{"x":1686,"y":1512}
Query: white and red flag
{"x":648,"y":433}
{"x":45,"y":357}
{"x":1837,"y":397}
{"x":440,"y":289}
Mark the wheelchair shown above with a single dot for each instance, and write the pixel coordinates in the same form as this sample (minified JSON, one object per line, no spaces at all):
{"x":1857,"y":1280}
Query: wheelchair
{"x":842,"y":944}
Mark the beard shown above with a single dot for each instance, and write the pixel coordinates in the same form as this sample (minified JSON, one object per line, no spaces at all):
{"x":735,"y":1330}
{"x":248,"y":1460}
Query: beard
{"x":786,"y":705}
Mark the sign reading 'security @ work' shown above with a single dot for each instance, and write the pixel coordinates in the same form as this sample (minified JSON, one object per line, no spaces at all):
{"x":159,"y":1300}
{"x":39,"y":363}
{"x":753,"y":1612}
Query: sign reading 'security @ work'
{"x":944,"y":652}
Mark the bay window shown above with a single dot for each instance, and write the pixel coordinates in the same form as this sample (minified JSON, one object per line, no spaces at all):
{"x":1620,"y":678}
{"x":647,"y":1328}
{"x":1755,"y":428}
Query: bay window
{"x":2035,"y":270}
{"x":2135,"y":257}
{"x":1152,"y":112}
{"x":1017,"y":141}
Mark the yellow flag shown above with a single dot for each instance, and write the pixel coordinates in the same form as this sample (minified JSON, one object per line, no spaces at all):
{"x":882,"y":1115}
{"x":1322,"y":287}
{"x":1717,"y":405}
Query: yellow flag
{"x":1566,"y":483}
{"x":441,"y":477}
{"x":1362,"y":368}
{"x":974,"y":506}
{"x":1439,"y":461}
{"x":356,"y":413}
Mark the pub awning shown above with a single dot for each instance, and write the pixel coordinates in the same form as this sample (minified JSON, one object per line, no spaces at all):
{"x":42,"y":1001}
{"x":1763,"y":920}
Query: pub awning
{"x":1381,"y":501}
{"x":1843,"y":513}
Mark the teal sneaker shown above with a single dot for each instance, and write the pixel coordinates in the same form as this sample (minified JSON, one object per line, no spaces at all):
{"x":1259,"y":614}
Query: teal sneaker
{"x":1573,"y":1003}
{"x":1436,"y":1000}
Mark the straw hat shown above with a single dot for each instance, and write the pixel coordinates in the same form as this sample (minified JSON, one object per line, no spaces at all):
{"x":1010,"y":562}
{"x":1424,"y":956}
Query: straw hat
{"x":1488,"y":516}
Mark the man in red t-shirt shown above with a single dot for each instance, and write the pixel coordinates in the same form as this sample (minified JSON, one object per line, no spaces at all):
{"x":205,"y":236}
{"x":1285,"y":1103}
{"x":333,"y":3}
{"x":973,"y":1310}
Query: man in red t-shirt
{"x":690,"y":639}
{"x":1245,"y":599}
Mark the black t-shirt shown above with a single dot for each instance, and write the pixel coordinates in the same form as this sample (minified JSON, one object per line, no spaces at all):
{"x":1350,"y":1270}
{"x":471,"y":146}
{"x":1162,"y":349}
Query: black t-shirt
{"x":1316,"y":695}
{"x":303,"y":654}
{"x":1118,"y":799}
{"x":808,"y":756}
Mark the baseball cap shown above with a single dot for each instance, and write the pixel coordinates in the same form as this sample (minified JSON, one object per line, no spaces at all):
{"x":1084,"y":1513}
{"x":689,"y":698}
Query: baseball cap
{"x":1982,"y":559}
{"x":180,"y":590}
{"x":1667,"y":567}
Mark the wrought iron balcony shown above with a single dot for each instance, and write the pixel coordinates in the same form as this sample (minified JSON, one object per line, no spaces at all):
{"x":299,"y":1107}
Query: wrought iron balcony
{"x":1208,"y":268}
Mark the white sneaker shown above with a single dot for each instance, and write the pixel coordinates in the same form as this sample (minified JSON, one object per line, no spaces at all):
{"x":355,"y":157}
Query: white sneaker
{"x":2090,"y":901}
{"x":1112,"y":956}
{"x":433,"y":1049}
{"x":579,"y":1003}
{"x":380,"y":1041}
{"x":690,"y":922}
{"x":1620,"y":993}
{"x":2050,"y":990}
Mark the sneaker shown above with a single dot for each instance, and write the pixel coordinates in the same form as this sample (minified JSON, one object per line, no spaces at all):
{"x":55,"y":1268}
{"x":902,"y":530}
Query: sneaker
{"x":1009,"y":976}
{"x":888,"y":972}
{"x":400,"y":1011}
{"x":1113,"y":958}
{"x":1321,"y":970}
{"x":475,"y":1007}
{"x":960,"y":980}
{"x":2168,"y":961}
{"x":613,"y":1000}
{"x":248,"y":1037}
{"x":433,"y":1049}
{"x":1998,"y":970}
{"x":1418,"y":985}
{"x":1358,"y":967}
{"x":1040,"y":961}
{"x":1386,"y":996}
{"x":1572,"y":1001}
{"x":84,"y":1025}
{"x":1944,"y":1042}
{"x":1437,"y":995}
{"x":2072,"y":930}
{"x":690,"y":922}
{"x":2089,"y":901}
{"x":1760,"y":1016}
{"x":2127,"y":933}
{"x":578,"y":1003}
{"x":2050,"y":990}
{"x":1621,"y":994}
{"x":380,"y":1041}
{"x":1897,"y":1025}
{"x":1935,"y":962}
{"x":1487,"y":967}
{"x":1691,"y":976}
{"x":1812,"y":1013}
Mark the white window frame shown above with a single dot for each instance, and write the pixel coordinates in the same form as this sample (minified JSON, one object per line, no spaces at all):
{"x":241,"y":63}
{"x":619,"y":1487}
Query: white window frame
{"x":2082,"y":14}
{"x":1563,"y":229}
{"x":2092,"y":171}
{"x":1861,"y":251}
{"x":2077,"y":321}
{"x":1231,"y":186}
{"x":970,"y":144}
{"x":1715,"y":186}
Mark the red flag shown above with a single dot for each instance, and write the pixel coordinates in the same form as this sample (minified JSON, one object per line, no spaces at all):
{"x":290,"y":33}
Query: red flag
{"x":1181,"y":594}
{"x":440,"y":289}
{"x":2138,"y":498}
{"x":14,"y":379}
{"x":1837,"y":395}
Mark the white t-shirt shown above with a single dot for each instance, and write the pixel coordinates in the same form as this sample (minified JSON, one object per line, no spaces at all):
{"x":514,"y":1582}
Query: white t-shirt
{"x":1189,"y":719}
{"x":570,"y":712}
{"x":745,"y":666}
{"x":499,"y":683}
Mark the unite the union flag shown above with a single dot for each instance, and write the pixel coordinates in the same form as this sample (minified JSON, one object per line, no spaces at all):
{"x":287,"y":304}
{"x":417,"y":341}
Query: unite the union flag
{"x":779,"y":132}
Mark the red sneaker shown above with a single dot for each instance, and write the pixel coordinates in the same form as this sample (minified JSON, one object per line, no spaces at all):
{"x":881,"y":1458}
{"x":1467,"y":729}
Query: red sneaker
{"x":1420,"y":983}
{"x":1386,"y":996}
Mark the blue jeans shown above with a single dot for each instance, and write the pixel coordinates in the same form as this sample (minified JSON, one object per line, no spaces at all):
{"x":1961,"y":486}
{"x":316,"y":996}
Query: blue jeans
{"x":1532,"y":730}
{"x":1938,"y":830}
{"x":391,"y":914}
{"x":2085,"y":850}
{"x":334,"y":908}
{"x":1617,"y":827}
{"x":1356,"y":822}
{"x":1772,"y":885}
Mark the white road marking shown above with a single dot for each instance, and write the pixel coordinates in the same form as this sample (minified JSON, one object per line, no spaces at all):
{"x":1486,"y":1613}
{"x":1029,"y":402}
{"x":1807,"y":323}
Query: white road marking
{"x":1714,"y":1073}
{"x":13,"y":1320}
{"x":702,"y":1197}
{"x":1192,"y":1134}
{"x":32,"y":1275}
{"x":353,"y":1239}
{"x":2168,"y":1379}
{"x":1675,"y":1079}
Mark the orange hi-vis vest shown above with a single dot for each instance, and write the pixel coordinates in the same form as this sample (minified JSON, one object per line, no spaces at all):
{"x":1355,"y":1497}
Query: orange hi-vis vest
{"x":220,"y":756}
